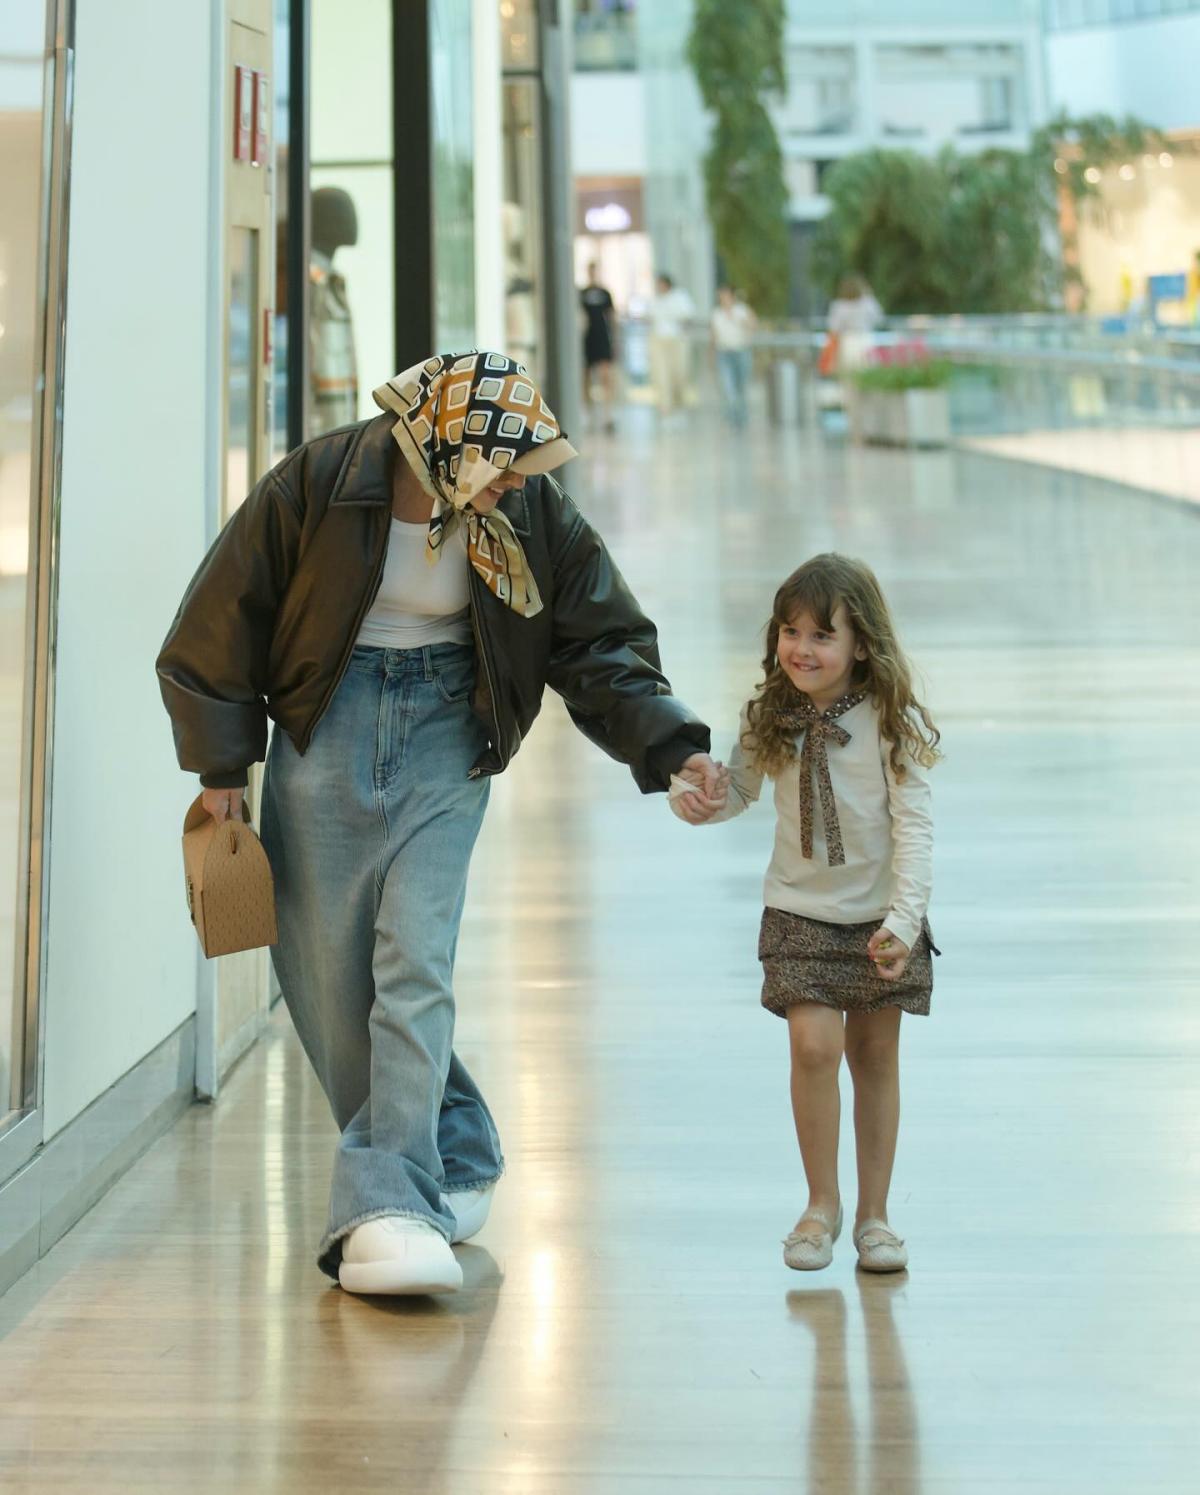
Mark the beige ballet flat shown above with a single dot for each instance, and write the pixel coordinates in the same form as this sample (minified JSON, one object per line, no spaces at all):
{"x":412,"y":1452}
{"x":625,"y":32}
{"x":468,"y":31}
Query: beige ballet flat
{"x":810,"y":1250}
{"x":880,"y":1249}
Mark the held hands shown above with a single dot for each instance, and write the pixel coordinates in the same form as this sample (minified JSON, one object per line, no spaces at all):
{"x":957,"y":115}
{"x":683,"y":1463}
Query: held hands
{"x":223,"y":804}
{"x":712,"y":788}
{"x":889,"y":954}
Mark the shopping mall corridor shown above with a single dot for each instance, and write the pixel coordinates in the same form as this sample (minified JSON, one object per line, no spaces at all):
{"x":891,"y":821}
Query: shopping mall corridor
{"x":627,"y":1324}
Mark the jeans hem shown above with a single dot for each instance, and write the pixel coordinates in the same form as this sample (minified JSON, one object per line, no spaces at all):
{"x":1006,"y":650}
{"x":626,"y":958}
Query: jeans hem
{"x":329,"y":1254}
{"x":462,"y":1185}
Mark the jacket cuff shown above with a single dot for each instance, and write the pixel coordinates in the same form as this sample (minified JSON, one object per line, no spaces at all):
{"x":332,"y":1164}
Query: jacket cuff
{"x":231,"y":778}
{"x":666,"y":758}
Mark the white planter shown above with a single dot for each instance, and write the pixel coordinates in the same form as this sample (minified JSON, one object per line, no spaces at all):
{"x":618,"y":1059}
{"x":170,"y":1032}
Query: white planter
{"x":909,"y":417}
{"x":927,"y":417}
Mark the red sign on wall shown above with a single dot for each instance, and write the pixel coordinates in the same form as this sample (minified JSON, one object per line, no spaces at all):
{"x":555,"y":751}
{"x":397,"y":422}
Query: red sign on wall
{"x":243,"y":112}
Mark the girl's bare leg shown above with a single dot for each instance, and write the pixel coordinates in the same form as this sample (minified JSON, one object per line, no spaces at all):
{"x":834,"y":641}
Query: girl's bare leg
{"x":873,"y":1055}
{"x":817,"y":1036}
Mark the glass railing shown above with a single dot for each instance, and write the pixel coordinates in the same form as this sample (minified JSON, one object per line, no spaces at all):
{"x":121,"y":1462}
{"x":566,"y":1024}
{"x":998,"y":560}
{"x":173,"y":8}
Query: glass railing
{"x":1120,"y":403}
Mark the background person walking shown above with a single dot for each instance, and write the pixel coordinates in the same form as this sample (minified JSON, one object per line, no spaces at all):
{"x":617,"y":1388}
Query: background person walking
{"x":599,"y":345}
{"x":671,"y":309}
{"x":851,"y":319}
{"x":733,"y":325}
{"x":845,"y":945}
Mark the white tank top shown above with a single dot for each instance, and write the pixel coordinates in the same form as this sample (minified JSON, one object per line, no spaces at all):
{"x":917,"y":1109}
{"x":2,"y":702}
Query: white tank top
{"x":419,"y":604}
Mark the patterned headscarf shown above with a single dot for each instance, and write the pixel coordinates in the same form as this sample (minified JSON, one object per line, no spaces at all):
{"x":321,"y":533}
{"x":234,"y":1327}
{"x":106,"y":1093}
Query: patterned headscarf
{"x":463,"y":419}
{"x":820,"y":728}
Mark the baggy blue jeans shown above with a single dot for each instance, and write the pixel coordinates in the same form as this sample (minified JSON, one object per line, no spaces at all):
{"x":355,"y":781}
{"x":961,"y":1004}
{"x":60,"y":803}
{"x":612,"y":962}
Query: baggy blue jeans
{"x":734,"y":367}
{"x":370,"y":835}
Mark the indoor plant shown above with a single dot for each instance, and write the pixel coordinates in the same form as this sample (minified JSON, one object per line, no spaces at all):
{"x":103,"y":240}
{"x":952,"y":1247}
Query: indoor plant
{"x":903,"y":403}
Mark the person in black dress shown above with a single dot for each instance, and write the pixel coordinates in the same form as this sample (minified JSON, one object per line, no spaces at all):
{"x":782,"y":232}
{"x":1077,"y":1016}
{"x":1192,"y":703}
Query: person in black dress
{"x":598,"y":310}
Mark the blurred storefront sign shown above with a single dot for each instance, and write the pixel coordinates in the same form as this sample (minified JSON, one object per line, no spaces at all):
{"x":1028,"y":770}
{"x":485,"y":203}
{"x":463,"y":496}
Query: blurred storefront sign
{"x":608,"y":207}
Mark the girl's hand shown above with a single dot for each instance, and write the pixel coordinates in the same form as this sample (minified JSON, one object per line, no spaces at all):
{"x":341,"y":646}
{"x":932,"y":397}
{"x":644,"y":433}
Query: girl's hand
{"x":712,"y":788}
{"x":707,"y":774}
{"x":889,"y":954}
{"x":223,"y":804}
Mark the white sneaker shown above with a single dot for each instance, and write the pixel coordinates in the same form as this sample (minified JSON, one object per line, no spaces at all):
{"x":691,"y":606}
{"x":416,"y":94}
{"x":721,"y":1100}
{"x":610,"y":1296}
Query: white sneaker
{"x":470,"y":1210}
{"x":396,"y":1254}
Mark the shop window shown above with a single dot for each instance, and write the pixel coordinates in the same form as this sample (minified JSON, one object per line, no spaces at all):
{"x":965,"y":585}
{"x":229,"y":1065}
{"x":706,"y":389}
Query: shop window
{"x":28,"y":315}
{"x":281,"y":436}
{"x":938,"y":92}
{"x":605,"y":35}
{"x":821,"y":92}
{"x":351,"y":304}
{"x":453,"y":174}
{"x":524,"y":289}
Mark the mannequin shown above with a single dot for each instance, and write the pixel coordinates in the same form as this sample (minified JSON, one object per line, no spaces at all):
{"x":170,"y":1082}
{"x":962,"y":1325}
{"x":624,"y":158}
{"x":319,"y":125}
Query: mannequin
{"x":333,"y":368}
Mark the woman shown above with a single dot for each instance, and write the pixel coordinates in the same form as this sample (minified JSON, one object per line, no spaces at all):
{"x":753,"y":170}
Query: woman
{"x":396,"y":595}
{"x":853,"y":316}
{"x":598,"y":309}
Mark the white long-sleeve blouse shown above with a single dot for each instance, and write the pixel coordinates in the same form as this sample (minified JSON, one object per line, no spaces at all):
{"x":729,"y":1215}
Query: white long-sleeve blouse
{"x":886,"y":825}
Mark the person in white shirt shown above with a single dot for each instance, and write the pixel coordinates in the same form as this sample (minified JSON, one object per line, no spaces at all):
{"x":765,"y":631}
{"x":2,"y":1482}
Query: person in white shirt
{"x":670,"y":312}
{"x":733,"y":326}
{"x":845,"y":943}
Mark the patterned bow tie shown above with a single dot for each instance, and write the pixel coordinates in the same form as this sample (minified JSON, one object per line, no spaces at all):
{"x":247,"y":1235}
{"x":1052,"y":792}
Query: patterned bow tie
{"x":820,"y":728}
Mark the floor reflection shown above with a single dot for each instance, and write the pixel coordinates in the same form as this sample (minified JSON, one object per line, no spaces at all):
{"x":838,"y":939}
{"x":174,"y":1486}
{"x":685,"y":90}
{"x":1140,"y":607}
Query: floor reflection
{"x":876,"y":1452}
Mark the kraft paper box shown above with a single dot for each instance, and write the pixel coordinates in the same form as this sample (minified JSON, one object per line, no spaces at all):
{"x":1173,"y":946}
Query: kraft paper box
{"x":230,"y":890}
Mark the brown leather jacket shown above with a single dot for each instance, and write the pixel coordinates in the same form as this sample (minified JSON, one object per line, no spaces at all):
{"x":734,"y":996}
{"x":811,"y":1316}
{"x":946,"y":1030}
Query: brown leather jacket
{"x":268,"y":623}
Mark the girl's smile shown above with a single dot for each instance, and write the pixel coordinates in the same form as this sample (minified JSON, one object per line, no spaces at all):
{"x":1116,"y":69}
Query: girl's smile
{"x":817,"y":660}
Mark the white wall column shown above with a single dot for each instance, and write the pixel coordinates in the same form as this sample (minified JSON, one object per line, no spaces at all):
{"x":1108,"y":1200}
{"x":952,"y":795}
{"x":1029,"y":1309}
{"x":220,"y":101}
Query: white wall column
{"x":137,"y":427}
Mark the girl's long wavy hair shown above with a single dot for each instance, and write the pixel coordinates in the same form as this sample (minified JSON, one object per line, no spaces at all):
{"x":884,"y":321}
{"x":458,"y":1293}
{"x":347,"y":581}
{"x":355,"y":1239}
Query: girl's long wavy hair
{"x":815,"y":590}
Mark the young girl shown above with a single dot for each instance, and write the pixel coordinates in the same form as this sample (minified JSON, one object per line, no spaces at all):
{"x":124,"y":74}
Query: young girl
{"x":845,"y":944}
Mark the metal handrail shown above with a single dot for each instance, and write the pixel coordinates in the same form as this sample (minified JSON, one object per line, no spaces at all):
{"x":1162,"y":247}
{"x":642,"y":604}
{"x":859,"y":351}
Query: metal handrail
{"x":1165,"y":364}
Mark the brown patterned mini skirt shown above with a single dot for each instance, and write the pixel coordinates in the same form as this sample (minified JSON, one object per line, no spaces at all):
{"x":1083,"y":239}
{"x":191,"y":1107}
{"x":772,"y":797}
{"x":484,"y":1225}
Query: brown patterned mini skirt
{"x":806,"y":960}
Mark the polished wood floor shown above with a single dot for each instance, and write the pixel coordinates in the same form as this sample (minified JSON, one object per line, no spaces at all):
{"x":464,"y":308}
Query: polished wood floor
{"x":627,"y":1324}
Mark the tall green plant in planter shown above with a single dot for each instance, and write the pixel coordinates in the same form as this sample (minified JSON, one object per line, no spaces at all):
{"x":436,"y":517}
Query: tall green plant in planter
{"x":736,"y":53}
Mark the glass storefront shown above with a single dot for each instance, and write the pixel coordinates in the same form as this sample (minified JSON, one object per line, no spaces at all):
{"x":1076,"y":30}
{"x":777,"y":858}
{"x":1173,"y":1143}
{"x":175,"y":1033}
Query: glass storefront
{"x":453,"y":179}
{"x":285,"y":16}
{"x":352,"y":290}
{"x":28,"y":326}
{"x":524,"y":270}
{"x":241,"y":458}
{"x":519,"y":35}
{"x":523,"y":283}
{"x":361,"y":192}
